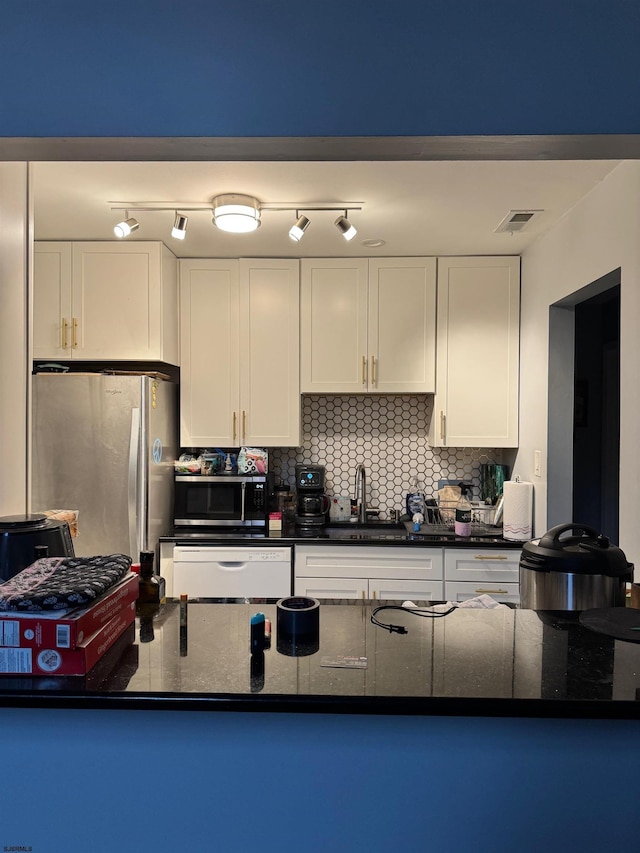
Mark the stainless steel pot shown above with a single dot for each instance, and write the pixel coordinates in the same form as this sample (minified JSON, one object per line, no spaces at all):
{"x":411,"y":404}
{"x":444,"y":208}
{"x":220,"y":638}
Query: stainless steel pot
{"x":573,"y":567}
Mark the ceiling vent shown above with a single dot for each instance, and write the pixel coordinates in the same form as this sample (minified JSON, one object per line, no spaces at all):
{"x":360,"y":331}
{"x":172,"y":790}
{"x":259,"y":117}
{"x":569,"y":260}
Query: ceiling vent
{"x":516,"y":220}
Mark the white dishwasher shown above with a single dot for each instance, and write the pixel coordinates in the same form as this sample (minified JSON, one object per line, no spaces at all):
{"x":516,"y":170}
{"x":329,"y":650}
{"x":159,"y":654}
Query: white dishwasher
{"x":203,"y":571}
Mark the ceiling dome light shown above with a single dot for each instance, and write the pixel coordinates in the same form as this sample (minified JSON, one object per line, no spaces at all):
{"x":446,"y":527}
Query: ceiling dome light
{"x":296,"y":232}
{"x":124,"y":228}
{"x":179,"y":229}
{"x":345,"y":228}
{"x":239,"y":214}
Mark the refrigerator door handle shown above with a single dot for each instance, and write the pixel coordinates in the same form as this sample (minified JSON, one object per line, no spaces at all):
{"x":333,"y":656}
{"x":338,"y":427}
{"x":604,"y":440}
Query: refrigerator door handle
{"x":134,"y":455}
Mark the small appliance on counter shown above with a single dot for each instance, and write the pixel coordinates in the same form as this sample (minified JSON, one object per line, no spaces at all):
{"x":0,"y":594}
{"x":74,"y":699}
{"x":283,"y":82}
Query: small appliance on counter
{"x":573,"y":567}
{"x":222,"y":503}
{"x":312,"y":504}
{"x":20,"y":535}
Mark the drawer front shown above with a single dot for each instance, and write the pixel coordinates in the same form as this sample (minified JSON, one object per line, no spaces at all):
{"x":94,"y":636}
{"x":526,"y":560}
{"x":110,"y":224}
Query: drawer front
{"x":508,"y":593}
{"x":480,"y":565}
{"x":368,"y":562}
{"x":402,"y":590}
{"x":331,"y":587}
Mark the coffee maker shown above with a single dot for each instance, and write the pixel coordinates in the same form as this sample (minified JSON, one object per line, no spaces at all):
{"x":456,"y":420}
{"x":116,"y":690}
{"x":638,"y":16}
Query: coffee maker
{"x":311,"y":502}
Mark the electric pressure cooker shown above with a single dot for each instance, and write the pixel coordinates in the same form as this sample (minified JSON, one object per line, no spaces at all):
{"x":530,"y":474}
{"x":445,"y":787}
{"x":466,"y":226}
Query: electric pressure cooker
{"x":573,"y":567}
{"x":19,"y":535}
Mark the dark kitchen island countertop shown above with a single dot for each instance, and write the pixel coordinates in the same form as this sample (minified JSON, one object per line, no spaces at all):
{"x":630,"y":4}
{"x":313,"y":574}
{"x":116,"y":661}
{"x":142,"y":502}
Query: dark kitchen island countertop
{"x":503,"y":662}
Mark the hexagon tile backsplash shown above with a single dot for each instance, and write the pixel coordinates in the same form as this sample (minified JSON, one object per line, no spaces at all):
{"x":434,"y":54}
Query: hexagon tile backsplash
{"x":389,"y":436}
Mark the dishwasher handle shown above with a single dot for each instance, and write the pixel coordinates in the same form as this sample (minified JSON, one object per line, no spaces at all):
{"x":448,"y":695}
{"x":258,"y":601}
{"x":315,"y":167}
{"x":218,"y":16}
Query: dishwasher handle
{"x":231,"y":567}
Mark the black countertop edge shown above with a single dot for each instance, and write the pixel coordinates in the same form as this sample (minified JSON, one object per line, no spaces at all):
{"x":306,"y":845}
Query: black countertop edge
{"x":383,"y":539}
{"x":347,"y":705}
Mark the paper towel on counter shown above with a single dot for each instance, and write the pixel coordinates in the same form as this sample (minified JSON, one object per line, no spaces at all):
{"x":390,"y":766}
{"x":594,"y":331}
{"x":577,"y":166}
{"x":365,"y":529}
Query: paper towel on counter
{"x":517,"y":511}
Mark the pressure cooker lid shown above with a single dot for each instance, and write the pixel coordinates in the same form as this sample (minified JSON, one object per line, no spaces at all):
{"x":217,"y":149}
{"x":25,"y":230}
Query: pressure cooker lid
{"x":575,"y":549}
{"x":23,"y":523}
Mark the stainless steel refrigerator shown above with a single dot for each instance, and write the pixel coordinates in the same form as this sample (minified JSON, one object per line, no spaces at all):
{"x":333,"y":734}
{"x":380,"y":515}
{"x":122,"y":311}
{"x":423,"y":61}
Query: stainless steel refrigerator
{"x":104,"y":445}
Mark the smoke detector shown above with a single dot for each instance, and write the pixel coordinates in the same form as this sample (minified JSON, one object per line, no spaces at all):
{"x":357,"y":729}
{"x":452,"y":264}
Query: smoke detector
{"x":516,"y":220}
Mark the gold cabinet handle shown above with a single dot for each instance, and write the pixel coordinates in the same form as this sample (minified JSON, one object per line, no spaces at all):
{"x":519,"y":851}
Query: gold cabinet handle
{"x":374,"y":595}
{"x":492,"y":591}
{"x":489,"y":557}
{"x":363,"y":595}
{"x":75,"y":333}
{"x":442,"y":424}
{"x":64,"y":333}
{"x":373,"y":370}
{"x":235,"y":423}
{"x":364,"y":370}
{"x":244,"y":425}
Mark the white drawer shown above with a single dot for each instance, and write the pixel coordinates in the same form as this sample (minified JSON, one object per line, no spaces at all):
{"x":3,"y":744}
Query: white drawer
{"x":363,"y":561}
{"x":508,"y":593}
{"x":481,"y":565}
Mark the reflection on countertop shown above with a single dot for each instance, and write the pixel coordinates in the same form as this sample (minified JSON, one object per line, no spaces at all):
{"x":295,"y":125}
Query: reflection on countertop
{"x":501,"y":662}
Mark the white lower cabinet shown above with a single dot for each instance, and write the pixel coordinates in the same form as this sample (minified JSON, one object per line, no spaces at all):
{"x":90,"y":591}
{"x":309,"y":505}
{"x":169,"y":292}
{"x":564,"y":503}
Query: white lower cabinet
{"x":471,"y":572}
{"x":368,"y":572}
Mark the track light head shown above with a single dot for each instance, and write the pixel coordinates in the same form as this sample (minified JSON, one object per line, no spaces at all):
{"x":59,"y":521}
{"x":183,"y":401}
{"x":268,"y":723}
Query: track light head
{"x":296,"y":232}
{"x":345,"y":227}
{"x":179,"y":229}
{"x":126,"y":227}
{"x":238,"y":214}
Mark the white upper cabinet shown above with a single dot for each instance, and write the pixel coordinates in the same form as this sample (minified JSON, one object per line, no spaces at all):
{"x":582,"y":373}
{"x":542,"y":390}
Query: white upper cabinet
{"x":368,"y":325}
{"x":239,"y":379}
{"x":209,"y":353}
{"x":476,"y":404}
{"x":270,"y":352}
{"x":105,"y":301}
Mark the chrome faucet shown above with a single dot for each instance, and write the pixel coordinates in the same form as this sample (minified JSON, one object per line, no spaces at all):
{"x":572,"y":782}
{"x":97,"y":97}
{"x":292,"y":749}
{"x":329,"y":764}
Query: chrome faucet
{"x":361,"y":485}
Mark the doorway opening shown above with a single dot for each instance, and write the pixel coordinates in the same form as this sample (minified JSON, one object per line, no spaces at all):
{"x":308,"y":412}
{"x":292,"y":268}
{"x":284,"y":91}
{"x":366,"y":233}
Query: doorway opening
{"x":584,"y":407}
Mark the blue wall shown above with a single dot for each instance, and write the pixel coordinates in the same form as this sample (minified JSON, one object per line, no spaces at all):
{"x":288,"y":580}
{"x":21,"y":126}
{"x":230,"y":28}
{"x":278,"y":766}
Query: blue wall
{"x":324,"y":68}
{"x":73,"y":781}
{"x":77,"y":782}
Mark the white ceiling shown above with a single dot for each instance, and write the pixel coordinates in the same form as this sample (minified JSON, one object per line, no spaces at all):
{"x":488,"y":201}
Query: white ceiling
{"x":417,"y":208}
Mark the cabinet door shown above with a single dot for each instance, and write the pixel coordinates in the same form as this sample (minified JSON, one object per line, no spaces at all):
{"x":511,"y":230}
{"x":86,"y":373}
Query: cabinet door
{"x":209,"y":350}
{"x":333,"y":339}
{"x":401,"y":328}
{"x":476,"y":403}
{"x":52,"y":317}
{"x":116,"y":299}
{"x":270,"y":353}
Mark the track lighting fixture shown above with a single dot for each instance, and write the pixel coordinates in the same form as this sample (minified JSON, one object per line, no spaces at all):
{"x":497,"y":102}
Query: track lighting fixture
{"x":296,"y":232}
{"x":234,"y":213}
{"x":238,"y":214}
{"x":345,"y":227}
{"x":124,"y":228}
{"x":179,"y":229}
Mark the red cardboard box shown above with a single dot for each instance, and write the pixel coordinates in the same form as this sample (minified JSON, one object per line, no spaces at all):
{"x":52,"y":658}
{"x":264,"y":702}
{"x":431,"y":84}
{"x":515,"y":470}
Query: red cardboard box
{"x":78,"y":661}
{"x":38,"y":631}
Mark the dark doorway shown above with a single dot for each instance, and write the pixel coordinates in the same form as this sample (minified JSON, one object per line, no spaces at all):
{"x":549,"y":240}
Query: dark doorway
{"x":596,"y":417}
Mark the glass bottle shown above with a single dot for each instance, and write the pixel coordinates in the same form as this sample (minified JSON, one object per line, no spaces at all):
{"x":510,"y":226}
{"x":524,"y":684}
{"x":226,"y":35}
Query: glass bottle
{"x":151,"y":587}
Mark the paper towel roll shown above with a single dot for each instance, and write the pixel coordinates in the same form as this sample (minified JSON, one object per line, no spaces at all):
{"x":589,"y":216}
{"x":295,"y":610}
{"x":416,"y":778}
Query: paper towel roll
{"x":517,"y":513}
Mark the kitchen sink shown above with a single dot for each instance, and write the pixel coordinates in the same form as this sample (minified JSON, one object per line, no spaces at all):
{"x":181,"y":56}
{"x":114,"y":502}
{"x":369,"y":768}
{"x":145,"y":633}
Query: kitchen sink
{"x":374,"y":526}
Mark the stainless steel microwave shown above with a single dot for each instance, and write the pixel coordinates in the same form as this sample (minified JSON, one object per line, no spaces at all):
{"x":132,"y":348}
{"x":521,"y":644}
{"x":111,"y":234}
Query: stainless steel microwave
{"x":220,"y":501}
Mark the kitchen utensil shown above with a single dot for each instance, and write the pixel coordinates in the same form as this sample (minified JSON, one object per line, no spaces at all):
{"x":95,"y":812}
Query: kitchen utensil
{"x":492,"y":479}
{"x":573,"y":567}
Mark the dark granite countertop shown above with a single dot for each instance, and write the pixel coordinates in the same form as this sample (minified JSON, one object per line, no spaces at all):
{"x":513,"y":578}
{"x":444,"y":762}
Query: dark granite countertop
{"x":502,"y":662}
{"x":344,"y":534}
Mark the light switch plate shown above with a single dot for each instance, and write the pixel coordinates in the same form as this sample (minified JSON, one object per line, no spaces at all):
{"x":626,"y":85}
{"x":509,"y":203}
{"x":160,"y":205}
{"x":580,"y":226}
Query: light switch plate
{"x":537,"y":463}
